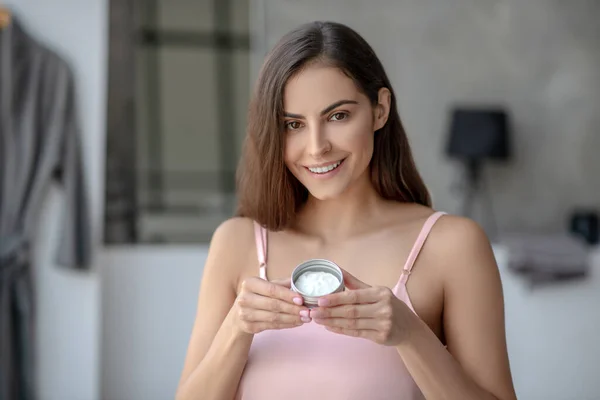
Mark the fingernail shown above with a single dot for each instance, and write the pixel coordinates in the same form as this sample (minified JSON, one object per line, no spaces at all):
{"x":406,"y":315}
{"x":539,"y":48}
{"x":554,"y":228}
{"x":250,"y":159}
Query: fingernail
{"x":305,"y":319}
{"x":298,"y":300}
{"x":323,"y":302}
{"x":304,"y":313}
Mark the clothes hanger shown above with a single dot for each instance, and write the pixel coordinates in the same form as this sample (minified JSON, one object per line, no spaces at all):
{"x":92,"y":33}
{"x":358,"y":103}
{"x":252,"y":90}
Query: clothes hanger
{"x":5,"y":17}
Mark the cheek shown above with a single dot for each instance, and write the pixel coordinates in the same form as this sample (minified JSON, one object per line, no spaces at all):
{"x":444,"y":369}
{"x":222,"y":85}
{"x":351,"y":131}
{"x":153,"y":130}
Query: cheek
{"x":360,"y":139}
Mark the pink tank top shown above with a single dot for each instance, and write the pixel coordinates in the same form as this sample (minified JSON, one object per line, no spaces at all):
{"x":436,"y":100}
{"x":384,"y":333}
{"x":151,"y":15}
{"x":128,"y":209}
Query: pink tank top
{"x":309,"y":362}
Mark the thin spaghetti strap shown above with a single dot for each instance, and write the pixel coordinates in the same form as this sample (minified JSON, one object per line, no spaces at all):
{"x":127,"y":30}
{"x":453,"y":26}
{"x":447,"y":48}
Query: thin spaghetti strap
{"x":260,"y":236}
{"x":416,"y":249}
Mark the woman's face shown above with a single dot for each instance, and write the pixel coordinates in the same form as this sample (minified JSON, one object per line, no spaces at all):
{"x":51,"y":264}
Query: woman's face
{"x":329,"y":128}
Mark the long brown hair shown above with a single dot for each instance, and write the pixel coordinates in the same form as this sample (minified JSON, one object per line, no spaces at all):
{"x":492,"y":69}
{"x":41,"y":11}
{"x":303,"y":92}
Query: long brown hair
{"x":267,"y":191}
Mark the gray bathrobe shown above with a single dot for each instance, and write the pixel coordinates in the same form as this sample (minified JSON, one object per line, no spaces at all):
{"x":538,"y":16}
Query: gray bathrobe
{"x":39,"y":141}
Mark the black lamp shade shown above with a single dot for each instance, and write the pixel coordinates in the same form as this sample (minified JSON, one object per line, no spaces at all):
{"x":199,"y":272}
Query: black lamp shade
{"x":479,"y":134}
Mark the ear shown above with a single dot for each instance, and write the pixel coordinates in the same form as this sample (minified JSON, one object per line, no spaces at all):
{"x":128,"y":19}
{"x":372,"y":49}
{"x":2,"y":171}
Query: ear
{"x":382,"y":109}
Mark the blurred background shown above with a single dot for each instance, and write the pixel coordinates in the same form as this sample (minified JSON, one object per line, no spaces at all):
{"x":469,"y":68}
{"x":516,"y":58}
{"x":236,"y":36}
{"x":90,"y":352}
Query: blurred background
{"x":501,"y":102}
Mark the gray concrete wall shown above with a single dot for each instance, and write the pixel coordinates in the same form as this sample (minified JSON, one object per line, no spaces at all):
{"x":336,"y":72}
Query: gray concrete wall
{"x":540,"y":58}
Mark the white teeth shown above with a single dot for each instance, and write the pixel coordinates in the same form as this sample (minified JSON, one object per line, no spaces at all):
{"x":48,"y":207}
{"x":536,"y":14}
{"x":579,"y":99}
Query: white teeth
{"x":322,"y":170}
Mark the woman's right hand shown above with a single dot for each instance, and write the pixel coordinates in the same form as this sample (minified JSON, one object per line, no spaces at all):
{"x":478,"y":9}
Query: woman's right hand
{"x":262,"y":305}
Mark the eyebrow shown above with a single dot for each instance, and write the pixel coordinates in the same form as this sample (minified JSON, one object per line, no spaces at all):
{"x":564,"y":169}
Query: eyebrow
{"x":325,"y":110}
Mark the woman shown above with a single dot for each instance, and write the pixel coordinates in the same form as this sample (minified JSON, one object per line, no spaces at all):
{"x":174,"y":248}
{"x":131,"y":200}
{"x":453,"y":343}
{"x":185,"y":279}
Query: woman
{"x":327,"y":172}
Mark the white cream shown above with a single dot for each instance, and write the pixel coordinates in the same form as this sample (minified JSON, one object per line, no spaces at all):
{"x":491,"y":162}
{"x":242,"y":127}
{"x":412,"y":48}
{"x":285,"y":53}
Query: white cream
{"x":316,"y":283}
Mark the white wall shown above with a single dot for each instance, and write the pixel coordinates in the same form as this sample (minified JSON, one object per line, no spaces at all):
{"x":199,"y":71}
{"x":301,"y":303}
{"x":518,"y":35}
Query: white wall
{"x":149,"y":299}
{"x":552,"y":334}
{"x":68,"y":330}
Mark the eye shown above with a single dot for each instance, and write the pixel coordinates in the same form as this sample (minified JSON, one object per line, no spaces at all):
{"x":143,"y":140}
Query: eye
{"x":292,"y":125}
{"x":338,"y":116}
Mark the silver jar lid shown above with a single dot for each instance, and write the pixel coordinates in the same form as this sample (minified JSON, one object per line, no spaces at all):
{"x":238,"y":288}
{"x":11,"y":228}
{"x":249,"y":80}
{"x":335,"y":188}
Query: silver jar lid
{"x":316,"y":265}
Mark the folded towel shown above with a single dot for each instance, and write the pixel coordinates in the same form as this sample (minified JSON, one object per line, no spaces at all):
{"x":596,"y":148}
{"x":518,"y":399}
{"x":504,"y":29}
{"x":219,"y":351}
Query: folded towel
{"x":545,"y":258}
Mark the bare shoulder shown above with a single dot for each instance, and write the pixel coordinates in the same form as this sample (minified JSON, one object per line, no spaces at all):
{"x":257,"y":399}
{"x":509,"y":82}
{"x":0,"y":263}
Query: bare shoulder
{"x":473,"y":317}
{"x":227,"y":256}
{"x":234,"y":231}
{"x":461,"y":231}
{"x":455,"y":239}
{"x":231,"y":247}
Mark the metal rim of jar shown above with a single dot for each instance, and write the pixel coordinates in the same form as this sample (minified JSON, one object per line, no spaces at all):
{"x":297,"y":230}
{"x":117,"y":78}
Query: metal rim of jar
{"x":317,"y":264}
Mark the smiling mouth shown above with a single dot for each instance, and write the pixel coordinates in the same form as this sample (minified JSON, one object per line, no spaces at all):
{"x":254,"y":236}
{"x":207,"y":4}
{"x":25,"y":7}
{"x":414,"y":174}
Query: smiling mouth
{"x":326,"y":168}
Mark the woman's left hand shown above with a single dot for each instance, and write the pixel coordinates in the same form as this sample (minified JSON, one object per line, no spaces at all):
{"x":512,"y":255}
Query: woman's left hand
{"x":373,"y":313}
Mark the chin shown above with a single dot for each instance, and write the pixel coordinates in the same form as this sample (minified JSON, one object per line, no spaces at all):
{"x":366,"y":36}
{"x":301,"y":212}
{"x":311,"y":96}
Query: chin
{"x":324,"y":194}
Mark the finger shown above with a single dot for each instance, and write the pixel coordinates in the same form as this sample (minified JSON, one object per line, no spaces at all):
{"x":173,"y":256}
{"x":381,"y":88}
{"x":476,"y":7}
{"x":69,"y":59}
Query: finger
{"x":358,"y":296}
{"x":355,"y":323}
{"x":360,"y":333}
{"x":287,"y":282}
{"x":352,"y":282}
{"x":256,"y":301}
{"x":273,"y":290}
{"x":264,"y":326}
{"x":346,"y":311}
{"x":271,"y":317}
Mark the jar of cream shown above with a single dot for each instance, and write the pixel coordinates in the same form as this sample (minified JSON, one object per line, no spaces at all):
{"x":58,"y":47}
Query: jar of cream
{"x":315,"y":278}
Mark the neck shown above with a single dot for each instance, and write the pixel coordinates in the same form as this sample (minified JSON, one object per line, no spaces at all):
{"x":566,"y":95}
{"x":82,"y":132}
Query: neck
{"x":342,"y":217}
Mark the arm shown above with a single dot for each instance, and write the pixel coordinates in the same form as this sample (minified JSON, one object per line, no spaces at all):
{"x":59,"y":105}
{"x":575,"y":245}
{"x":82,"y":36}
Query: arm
{"x":225,"y":322}
{"x":475,"y":364}
{"x":217,"y":352}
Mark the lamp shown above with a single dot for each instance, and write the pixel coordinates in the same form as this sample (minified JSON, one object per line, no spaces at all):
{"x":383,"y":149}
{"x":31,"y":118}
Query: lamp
{"x":477,"y":135}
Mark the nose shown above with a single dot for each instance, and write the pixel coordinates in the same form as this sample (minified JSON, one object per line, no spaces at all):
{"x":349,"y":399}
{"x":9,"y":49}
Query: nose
{"x":318,"y":143}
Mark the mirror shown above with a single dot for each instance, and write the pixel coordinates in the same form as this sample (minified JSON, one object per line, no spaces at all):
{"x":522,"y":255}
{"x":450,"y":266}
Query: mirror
{"x":179,"y":85}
